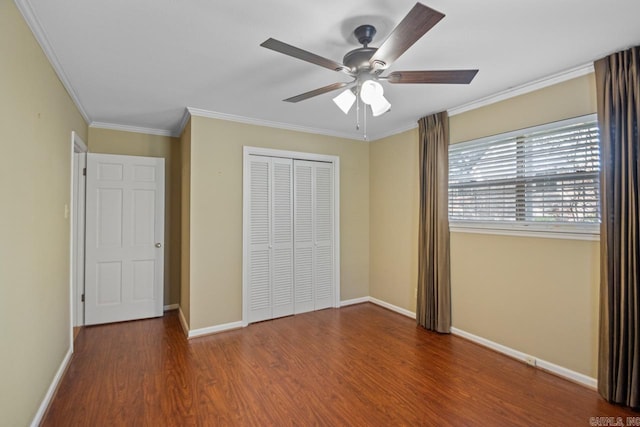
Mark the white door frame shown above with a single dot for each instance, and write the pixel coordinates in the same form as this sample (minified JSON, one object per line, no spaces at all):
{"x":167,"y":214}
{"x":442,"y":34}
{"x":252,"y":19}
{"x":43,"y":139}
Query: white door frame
{"x":76,"y":232}
{"x":258,"y":151}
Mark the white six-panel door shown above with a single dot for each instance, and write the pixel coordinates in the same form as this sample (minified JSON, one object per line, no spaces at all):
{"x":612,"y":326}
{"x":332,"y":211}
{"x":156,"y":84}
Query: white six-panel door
{"x":124,"y":238}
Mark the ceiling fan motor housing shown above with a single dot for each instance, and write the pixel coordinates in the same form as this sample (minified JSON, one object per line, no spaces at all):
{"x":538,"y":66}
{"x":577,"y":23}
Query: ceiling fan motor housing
{"x":358,"y":59}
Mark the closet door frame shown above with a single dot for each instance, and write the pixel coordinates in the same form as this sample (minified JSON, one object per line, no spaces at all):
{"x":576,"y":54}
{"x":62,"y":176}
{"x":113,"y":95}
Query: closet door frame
{"x":258,"y":151}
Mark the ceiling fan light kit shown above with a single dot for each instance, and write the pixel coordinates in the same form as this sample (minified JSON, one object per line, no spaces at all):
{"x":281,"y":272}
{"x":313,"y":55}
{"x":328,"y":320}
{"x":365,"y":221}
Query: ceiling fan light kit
{"x":345,"y":100}
{"x":380,"y":107}
{"x":372,"y":94}
{"x":366,"y":64}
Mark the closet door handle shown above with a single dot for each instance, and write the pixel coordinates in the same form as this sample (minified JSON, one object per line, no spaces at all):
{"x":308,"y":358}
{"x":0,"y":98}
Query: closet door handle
{"x":270,"y":246}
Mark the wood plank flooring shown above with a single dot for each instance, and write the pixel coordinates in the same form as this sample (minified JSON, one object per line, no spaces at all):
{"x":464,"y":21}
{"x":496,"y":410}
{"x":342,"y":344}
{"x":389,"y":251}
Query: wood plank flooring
{"x":359,"y":365}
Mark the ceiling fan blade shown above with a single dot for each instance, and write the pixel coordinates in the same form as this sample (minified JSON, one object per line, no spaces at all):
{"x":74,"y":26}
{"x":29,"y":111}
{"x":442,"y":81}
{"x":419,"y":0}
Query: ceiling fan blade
{"x":304,"y":55}
{"x":440,"y":76}
{"x":418,"y":21}
{"x":316,"y":92}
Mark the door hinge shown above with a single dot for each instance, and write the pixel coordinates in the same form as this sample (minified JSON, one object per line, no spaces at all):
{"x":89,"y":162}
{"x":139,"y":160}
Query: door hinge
{"x":82,"y":298}
{"x":84,"y":171}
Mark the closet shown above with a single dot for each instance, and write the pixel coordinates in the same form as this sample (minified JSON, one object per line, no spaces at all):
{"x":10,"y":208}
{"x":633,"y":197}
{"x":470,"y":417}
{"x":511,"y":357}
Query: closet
{"x":289,"y":234}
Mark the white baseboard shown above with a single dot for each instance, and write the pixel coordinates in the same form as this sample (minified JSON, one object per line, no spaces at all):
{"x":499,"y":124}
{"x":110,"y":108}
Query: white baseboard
{"x":392,"y":307}
{"x":560,"y":371}
{"x":183,"y":322}
{"x":492,"y":345}
{"x":568,"y":374}
{"x":171,"y":307}
{"x":353,"y":301}
{"x":52,"y":389}
{"x":214,"y":329}
{"x":192,"y":333}
{"x":523,"y":357}
{"x":381,"y":303}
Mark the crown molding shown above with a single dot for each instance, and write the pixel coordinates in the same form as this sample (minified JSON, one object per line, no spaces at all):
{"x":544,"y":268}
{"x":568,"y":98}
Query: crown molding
{"x":33,"y":23}
{"x":525,"y":88}
{"x":136,"y":129}
{"x":497,"y":97}
{"x":500,"y":96}
{"x":197,"y":112}
{"x":183,"y":123}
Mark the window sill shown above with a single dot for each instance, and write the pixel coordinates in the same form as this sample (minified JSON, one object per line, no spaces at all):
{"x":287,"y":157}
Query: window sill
{"x":548,"y":231}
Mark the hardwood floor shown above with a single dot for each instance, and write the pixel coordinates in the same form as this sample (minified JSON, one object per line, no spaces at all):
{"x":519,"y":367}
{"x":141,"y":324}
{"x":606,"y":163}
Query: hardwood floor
{"x":359,"y":365}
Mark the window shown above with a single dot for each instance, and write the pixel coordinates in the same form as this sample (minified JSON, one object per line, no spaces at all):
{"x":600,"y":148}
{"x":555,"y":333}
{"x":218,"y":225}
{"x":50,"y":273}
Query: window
{"x":542,"y":177}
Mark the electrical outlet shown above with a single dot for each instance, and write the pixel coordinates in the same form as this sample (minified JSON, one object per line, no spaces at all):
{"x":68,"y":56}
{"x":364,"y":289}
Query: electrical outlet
{"x":531,"y":361}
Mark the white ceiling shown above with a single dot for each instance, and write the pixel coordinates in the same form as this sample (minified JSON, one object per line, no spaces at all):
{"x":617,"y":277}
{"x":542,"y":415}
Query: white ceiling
{"x":139,"y":63}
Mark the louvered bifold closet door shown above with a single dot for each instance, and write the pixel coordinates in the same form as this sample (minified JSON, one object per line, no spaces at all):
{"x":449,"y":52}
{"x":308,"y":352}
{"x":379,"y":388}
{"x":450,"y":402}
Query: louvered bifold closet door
{"x":323,"y":235}
{"x":313,"y":230}
{"x":282,"y":237}
{"x":270,"y":271}
{"x":303,"y":226}
{"x":259,"y":271}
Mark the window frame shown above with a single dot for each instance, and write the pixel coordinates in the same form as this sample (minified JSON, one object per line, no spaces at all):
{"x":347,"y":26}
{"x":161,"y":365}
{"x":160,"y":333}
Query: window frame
{"x":574,"y":231}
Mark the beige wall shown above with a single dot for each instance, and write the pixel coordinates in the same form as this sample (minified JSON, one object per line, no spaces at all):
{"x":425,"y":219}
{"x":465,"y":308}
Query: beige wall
{"x":216,"y":212}
{"x":395,"y":198}
{"x":37,"y":117}
{"x":108,"y":141}
{"x":174,"y":200}
{"x":185,"y":222}
{"x":535,"y":295}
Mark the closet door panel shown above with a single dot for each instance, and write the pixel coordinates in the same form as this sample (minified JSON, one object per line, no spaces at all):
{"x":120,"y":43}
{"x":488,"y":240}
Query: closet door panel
{"x":303,"y":231}
{"x":259,"y":271}
{"x":323,"y":269}
{"x":259,"y":286}
{"x":282,"y":237}
{"x":323,"y":235}
{"x":304,"y":280}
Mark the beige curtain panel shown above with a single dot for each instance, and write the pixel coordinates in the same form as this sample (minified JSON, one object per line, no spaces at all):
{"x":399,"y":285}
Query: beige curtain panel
{"x":434,"y":290}
{"x":618,"y":91}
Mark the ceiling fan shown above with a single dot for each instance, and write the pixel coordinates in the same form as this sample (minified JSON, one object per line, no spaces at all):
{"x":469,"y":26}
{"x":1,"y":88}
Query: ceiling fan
{"x":366,"y":64}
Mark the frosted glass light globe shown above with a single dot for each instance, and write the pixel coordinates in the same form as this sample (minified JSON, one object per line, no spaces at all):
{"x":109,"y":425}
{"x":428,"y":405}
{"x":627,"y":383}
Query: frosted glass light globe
{"x":371,"y":91}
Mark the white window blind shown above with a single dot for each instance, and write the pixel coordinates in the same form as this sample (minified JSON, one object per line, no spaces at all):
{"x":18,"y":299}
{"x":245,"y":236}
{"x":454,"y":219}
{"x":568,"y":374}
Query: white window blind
{"x":543,"y":175}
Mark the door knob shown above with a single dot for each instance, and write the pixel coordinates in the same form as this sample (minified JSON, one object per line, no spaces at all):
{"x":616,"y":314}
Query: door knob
{"x":158,"y":245}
